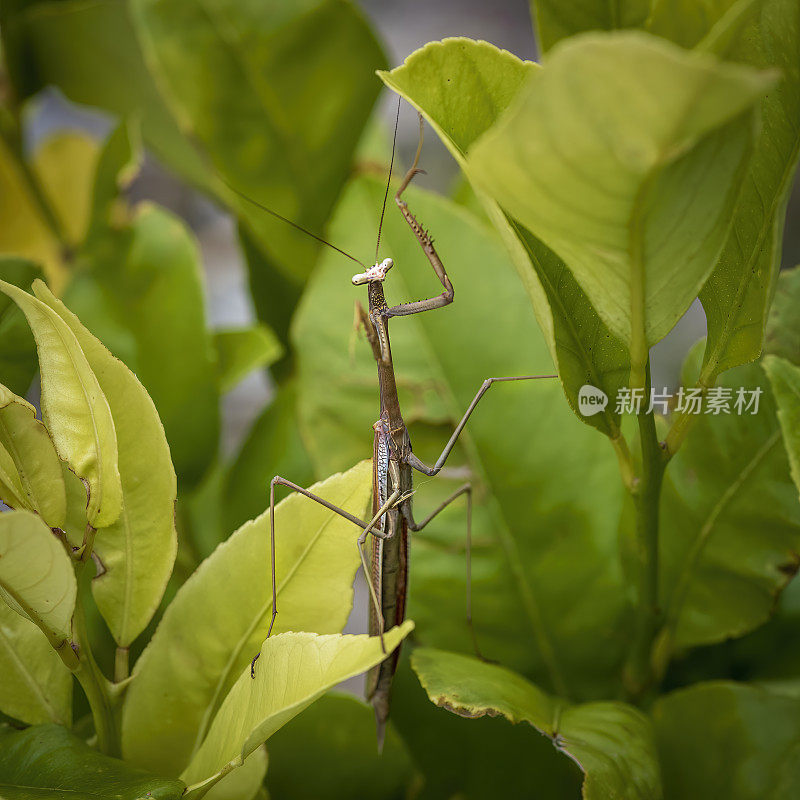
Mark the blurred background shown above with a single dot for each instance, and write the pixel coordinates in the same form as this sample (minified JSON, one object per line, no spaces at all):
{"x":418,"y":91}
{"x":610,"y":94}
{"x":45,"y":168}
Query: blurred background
{"x":402,"y":28}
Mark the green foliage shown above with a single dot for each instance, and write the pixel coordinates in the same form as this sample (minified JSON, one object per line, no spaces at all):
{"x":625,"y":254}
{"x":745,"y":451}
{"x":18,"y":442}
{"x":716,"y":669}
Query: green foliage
{"x":645,"y":163}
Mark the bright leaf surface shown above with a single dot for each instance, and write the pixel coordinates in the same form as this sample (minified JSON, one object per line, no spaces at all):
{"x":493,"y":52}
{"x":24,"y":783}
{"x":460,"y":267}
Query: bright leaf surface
{"x":36,"y":686}
{"x":36,"y":575}
{"x":728,"y":740}
{"x":730,"y":521}
{"x":625,"y":154}
{"x":337,"y":735}
{"x":436,"y":79}
{"x":47,"y":762}
{"x":29,"y":464}
{"x":546,"y":579}
{"x":138,"y":550}
{"x":74,"y":407}
{"x":293,"y":670}
{"x":611,"y":742}
{"x":242,"y":350}
{"x":785,"y":379}
{"x":244,"y":781}
{"x":221,"y":615}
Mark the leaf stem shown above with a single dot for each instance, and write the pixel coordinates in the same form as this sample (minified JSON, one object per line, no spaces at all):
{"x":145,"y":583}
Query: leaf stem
{"x":638,"y":674}
{"x":95,"y":686}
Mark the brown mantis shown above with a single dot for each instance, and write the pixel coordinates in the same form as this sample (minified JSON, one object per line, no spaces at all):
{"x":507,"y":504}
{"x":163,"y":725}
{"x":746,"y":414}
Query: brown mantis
{"x":393,"y":460}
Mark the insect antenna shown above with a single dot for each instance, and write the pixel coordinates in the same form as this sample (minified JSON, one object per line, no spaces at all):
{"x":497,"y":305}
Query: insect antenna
{"x":293,"y":224}
{"x":388,"y":180}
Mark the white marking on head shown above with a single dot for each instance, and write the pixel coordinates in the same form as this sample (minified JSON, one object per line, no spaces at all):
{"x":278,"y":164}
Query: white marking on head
{"x":377,"y":272}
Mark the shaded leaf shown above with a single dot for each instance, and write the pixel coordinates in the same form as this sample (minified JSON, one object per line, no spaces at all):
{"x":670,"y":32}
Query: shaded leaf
{"x":283,"y":137}
{"x":47,"y":761}
{"x":221,"y":615}
{"x":36,"y":575}
{"x":337,"y":734}
{"x":18,"y":362}
{"x":138,"y":550}
{"x":29,"y":459}
{"x":143,"y":297}
{"x":242,"y":350}
{"x":785,"y":379}
{"x":738,"y":294}
{"x":36,"y":686}
{"x":273,"y":446}
{"x":548,"y":598}
{"x":558,"y":19}
{"x":243,"y":782}
{"x":470,"y":758}
{"x":783,"y":324}
{"x":728,"y":740}
{"x":74,"y":407}
{"x":730,"y":522}
{"x":293,"y":670}
{"x":436,"y":79}
{"x":611,"y":742}
{"x":636,"y":189}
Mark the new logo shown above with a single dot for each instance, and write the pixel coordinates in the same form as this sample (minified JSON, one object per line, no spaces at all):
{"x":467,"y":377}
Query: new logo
{"x":591,"y":400}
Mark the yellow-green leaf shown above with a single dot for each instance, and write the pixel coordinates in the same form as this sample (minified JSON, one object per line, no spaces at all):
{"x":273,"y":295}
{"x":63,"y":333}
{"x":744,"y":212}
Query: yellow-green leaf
{"x":625,"y":155}
{"x":293,"y":670}
{"x":36,"y":574}
{"x":28,"y":457}
{"x":36,"y":686}
{"x":74,"y":407}
{"x":221,"y":615}
{"x":138,"y":550}
{"x":241,"y":350}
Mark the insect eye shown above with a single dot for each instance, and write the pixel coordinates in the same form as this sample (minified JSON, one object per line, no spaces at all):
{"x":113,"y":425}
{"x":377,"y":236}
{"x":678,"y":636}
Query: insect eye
{"x":387,"y":263}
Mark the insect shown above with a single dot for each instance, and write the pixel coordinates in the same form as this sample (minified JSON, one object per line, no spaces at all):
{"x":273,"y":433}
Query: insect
{"x":393,"y":462}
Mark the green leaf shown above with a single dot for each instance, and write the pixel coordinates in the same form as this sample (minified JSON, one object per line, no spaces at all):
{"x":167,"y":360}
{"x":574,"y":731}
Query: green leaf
{"x":337,"y":734}
{"x":611,"y":742}
{"x":221,"y":615}
{"x":274,"y":446}
{"x":138,"y":550}
{"x":435,"y":79}
{"x":546,"y":581}
{"x":293,"y":670}
{"x":470,"y":758}
{"x":558,"y":19}
{"x":143,"y":297}
{"x":36,"y":575}
{"x":243,"y":782}
{"x":17,"y":349}
{"x":118,"y":164}
{"x":47,"y":762}
{"x":242,"y":350}
{"x":728,"y":740}
{"x":783,"y":323}
{"x":74,"y":407}
{"x":36,"y":686}
{"x":785,"y":379}
{"x":730,"y":523}
{"x":68,"y":45}
{"x":626,"y":204}
{"x":738,"y":294}
{"x":29,"y":459}
{"x":272,"y":128}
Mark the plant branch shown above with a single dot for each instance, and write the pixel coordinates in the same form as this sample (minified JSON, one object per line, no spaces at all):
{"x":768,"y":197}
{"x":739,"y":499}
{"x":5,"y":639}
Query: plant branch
{"x":647,"y":494}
